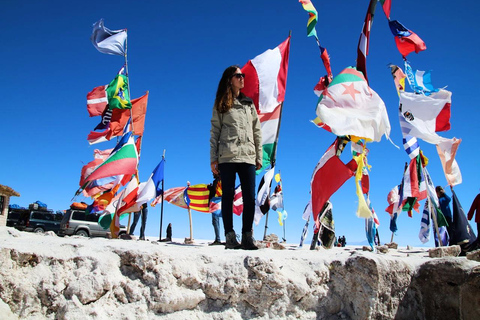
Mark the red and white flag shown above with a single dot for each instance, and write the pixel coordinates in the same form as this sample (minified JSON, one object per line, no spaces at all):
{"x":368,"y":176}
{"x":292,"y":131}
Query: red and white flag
{"x":363,"y":42}
{"x":238,"y":201}
{"x":97,"y":101}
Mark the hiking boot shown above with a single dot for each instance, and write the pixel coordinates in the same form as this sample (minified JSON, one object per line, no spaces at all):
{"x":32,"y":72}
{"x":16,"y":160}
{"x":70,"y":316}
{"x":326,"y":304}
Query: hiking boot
{"x":216,"y":243}
{"x":231,"y":241}
{"x":248,"y":243}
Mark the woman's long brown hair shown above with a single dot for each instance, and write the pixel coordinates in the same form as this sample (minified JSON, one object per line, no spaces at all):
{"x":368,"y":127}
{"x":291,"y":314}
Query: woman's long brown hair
{"x":224,"y":97}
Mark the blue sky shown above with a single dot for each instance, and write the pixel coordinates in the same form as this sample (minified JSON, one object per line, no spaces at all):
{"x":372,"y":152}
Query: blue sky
{"x":178,"y":51}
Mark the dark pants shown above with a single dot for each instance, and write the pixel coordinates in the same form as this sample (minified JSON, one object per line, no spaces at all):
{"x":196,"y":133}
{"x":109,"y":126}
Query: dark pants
{"x":136,"y":216}
{"x":246,"y":174}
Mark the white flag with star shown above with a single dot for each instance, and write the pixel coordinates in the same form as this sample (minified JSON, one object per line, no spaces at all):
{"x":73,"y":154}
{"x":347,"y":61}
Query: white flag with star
{"x":350,"y":107}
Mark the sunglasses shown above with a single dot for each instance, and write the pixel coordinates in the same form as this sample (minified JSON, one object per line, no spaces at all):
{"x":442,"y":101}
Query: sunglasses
{"x":239,"y":75}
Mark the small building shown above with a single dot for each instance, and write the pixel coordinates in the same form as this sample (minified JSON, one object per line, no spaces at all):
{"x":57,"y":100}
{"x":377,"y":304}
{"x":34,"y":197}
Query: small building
{"x":5,"y":194}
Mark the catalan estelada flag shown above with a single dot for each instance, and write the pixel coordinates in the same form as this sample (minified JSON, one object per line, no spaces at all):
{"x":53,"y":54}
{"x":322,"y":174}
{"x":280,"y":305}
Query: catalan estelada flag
{"x":198,"y":197}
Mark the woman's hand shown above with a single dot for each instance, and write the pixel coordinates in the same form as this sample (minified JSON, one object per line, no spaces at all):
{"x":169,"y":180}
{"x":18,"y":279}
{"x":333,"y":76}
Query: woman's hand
{"x":214,"y":166}
{"x":259,"y":166}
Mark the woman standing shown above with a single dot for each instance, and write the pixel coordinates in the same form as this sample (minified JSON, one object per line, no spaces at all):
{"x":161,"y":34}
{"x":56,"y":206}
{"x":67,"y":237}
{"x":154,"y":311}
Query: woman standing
{"x":235,"y":148}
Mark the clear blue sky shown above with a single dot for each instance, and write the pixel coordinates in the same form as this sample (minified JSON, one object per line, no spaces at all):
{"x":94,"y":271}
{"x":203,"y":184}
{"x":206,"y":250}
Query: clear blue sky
{"x":178,"y":51}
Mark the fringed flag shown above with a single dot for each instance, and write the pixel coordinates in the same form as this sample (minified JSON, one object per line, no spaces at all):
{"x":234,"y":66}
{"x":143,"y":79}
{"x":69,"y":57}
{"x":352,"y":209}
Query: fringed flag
{"x":265,"y":83}
{"x":97,"y":101}
{"x":108,"y":41}
{"x":424,"y":234}
{"x":311,"y":31}
{"x":363,"y":42}
{"x":350,"y":107}
{"x":406,"y":40}
{"x":262,"y":203}
{"x":329,"y":175}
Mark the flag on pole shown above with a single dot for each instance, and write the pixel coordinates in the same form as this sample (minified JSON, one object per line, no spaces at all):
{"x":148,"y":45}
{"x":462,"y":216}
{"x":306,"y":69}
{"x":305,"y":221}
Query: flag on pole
{"x":350,"y":107}
{"x":406,"y":40}
{"x":198,"y":197}
{"x":386,"y":5}
{"x":117,"y":93}
{"x":109,"y":41}
{"x":462,"y":231}
{"x":122,"y":160}
{"x":329,"y":175}
{"x":97,"y":101}
{"x":422,"y":116}
{"x":238,"y":201}
{"x":363,"y":42}
{"x":152,"y":188}
{"x":265,"y":83}
{"x":447,"y":150}
{"x":424,"y":234}
{"x":419,"y":81}
{"x":262,"y":204}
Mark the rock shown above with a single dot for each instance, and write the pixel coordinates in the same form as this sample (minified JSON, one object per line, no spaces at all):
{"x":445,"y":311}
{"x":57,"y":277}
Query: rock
{"x":367,"y":248}
{"x":474,"y":255}
{"x":409,"y":247}
{"x":392,"y":245}
{"x":271,"y":238}
{"x":382,"y":249}
{"x":440,"y":252}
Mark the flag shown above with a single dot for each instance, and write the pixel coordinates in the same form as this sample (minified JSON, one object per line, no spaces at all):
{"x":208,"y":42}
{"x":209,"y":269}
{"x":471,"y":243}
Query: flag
{"x":265,"y":83}
{"x":129,"y":189}
{"x":262,"y":203}
{"x":238,"y":201}
{"x":122,"y":160}
{"x":312,"y":17}
{"x":393,"y":223}
{"x":443,"y":236}
{"x":398,"y":78}
{"x":329,"y":174}
{"x":105,"y":122}
{"x":307,"y":212}
{"x":393,"y":200}
{"x":364,"y":40}
{"x":414,"y":184}
{"x":350,"y":107}
{"x":152,"y":188}
{"x":422,"y":116}
{"x":419,"y":81}
{"x":176,"y":196}
{"x":304,"y":232}
{"x":386,"y":4}
{"x":411,"y":146}
{"x":198,"y":197}
{"x":138,"y":112}
{"x":462,"y":231}
{"x":447,"y":150}
{"x":424,"y":234}
{"x":97,"y":101}
{"x":108,"y":41}
{"x":406,"y":40}
{"x":117,"y":93}
{"x":370,"y":230}
{"x":119,"y":118}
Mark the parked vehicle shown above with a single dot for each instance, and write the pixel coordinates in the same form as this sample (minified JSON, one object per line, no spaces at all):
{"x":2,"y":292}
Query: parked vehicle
{"x":32,"y":220}
{"x":78,"y":222}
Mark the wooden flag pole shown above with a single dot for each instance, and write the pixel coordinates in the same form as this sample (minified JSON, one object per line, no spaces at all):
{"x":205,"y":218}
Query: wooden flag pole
{"x":433,"y":213}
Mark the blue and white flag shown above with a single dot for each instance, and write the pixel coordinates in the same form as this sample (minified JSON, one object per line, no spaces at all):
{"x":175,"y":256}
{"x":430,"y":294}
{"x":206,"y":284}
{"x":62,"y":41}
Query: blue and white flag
{"x":420,"y":81}
{"x":108,"y":41}
{"x":304,"y":233}
{"x":152,"y":188}
{"x":411,"y":146}
{"x":424,"y":234}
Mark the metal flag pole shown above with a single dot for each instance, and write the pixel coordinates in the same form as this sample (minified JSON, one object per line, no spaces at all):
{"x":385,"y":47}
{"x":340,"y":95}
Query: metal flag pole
{"x":161,"y":206}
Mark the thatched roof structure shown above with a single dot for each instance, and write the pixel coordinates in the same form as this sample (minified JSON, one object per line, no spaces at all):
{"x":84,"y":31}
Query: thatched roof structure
{"x":8,"y":191}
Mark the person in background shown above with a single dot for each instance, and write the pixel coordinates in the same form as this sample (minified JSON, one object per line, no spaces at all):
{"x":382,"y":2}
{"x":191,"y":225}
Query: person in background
{"x":475,"y":208}
{"x":169,"y":232}
{"x":235,"y":148}
{"x":143,"y":212}
{"x":444,"y":201}
{"x":214,"y":200}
